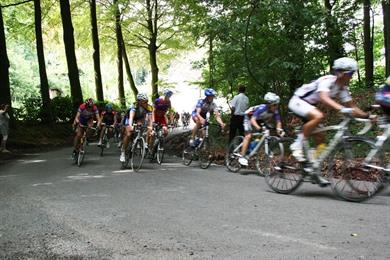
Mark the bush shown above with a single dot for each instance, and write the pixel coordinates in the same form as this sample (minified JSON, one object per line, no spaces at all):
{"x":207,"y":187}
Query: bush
{"x":62,"y":109}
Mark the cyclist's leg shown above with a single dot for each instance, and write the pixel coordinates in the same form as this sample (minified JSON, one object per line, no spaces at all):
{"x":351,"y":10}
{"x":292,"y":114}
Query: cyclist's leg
{"x":101,"y":135}
{"x":126,"y":137}
{"x":79,"y":134}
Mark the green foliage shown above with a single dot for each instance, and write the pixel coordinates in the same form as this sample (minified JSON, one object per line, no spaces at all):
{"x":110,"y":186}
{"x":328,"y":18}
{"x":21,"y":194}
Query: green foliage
{"x":62,"y":109}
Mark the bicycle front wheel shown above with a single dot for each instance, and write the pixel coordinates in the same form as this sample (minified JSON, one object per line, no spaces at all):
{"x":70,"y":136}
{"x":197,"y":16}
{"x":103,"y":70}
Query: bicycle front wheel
{"x":137,"y":154}
{"x":188,"y":154}
{"x":262,"y":155}
{"x":160,"y":150}
{"x":283,"y":173}
{"x":205,"y":154}
{"x":81,"y":154}
{"x":349,"y":178}
{"x":231,"y":160}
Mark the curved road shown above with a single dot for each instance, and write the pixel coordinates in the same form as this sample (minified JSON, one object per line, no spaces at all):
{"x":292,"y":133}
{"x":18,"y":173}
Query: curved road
{"x":50,"y":208}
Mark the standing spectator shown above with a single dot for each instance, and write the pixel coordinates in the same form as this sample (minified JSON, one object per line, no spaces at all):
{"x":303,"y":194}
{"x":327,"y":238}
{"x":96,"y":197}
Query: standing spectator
{"x":4,"y":126}
{"x":239,"y":105}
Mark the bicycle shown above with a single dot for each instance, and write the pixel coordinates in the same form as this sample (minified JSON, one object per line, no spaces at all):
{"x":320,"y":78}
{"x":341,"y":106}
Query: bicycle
{"x":261,"y":150}
{"x":78,"y":157}
{"x":135,"y":152}
{"x":201,"y":149}
{"x":285,"y":174}
{"x":106,"y":137}
{"x":157,"y":150}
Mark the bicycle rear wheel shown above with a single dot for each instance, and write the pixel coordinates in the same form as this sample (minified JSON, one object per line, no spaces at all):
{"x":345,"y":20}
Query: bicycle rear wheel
{"x":160,"y":150}
{"x":137,"y":154}
{"x":283,"y":173}
{"x":205,"y":154}
{"x":349,"y":178}
{"x":231,"y":160}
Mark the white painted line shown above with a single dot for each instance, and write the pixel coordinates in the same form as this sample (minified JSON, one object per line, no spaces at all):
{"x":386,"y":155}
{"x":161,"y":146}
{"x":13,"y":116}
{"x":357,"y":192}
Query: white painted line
{"x":42,"y":184}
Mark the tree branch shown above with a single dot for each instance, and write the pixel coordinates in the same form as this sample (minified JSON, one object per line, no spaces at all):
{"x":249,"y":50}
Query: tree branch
{"x":166,"y":39}
{"x":14,"y":4}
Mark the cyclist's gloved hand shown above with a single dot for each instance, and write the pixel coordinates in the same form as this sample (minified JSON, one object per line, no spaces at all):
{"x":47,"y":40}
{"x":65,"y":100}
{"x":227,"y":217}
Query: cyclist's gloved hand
{"x":346,"y":110}
{"x":280,"y":132}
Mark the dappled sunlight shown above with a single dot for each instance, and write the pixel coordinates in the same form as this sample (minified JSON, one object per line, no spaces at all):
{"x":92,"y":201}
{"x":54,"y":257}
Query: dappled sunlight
{"x":31,"y":161}
{"x":42,"y":184}
{"x":122,"y":171}
{"x":84,"y":176}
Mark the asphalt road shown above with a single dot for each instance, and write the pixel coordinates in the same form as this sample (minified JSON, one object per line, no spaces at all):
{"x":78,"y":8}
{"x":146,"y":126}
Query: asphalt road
{"x":50,"y":209}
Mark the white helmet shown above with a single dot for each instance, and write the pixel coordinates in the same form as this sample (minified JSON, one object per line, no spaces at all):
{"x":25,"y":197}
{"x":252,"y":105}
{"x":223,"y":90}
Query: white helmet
{"x":271,"y":98}
{"x":346,"y":64}
{"x":142,"y":96}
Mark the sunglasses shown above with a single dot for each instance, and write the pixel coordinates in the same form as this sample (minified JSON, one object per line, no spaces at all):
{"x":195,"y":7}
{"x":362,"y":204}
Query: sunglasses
{"x":349,"y":73}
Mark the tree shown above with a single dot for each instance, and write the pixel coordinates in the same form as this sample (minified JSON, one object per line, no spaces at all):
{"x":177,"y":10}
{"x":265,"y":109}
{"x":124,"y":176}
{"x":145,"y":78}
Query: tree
{"x":386,"y":32}
{"x":368,"y":45}
{"x":130,"y":77}
{"x":5,"y":92}
{"x":46,"y":117}
{"x":119,"y":41}
{"x":73,"y":71}
{"x":96,"y":52}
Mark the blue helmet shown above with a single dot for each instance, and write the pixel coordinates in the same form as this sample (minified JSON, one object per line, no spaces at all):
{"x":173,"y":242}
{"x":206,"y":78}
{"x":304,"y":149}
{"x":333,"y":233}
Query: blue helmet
{"x":167,"y":92}
{"x":109,"y":106}
{"x":210,"y":92}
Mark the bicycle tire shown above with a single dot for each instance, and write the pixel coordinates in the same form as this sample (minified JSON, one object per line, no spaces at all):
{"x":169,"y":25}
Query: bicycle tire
{"x":188,"y":154}
{"x":283,"y":173}
{"x":349,"y":179}
{"x":231,"y":161}
{"x":103,"y":145}
{"x":160,"y":151}
{"x":205,"y":154}
{"x":262,"y":156}
{"x":81,"y":153}
{"x":137,"y":154}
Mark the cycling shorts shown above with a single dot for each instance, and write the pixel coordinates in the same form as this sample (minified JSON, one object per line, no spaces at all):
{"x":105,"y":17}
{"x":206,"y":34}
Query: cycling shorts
{"x":160,"y":120}
{"x":300,"y":107}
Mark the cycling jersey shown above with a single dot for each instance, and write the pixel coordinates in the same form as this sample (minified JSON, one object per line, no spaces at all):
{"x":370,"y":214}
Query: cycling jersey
{"x":140,"y":112}
{"x":382,"y":97}
{"x":205,"y":107}
{"x":108,"y":117}
{"x":161,"y":106}
{"x":87,"y":115}
{"x":260,"y":113}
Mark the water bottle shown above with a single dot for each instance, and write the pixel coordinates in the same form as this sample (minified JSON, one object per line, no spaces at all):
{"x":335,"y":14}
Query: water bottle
{"x":252,"y":146}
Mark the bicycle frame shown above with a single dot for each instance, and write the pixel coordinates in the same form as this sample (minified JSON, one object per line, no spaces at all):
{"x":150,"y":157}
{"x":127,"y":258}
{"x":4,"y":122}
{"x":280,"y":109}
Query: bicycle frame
{"x":263,"y":140}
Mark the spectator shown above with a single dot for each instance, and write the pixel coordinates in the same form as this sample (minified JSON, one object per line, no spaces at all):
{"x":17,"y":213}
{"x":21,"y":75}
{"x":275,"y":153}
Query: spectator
{"x":239,"y":105}
{"x":4,"y":126}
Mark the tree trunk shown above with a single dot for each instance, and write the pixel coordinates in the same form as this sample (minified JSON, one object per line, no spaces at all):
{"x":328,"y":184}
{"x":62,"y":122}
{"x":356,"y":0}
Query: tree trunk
{"x":386,"y":32}
{"x":47,"y":115}
{"x":130,"y":77}
{"x":5,"y":91}
{"x":96,"y":52}
{"x":211,"y":61}
{"x":334,"y":35}
{"x":119,"y":41}
{"x":368,"y":48}
{"x":73,"y":71}
{"x":152,"y":47}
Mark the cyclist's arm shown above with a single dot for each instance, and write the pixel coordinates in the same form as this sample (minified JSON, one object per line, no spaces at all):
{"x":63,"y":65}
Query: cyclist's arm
{"x":198,"y":110}
{"x":76,"y":119}
{"x":357,"y":112}
{"x":325,"y":99}
{"x":219,"y":119}
{"x":254,"y":123}
{"x":131,"y":117}
{"x":150,"y":119}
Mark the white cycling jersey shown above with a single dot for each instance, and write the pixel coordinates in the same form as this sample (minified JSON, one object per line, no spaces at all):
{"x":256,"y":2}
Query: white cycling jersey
{"x":311,"y":92}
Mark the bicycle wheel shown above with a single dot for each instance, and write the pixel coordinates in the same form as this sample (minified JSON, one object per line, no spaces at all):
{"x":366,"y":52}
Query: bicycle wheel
{"x":349,"y":178}
{"x":188,"y":154}
{"x":137,"y":154}
{"x":231,"y":160}
{"x":104,"y":143}
{"x":262,"y":155}
{"x":205,"y":154}
{"x":159,"y":150}
{"x":283,"y":173}
{"x":81,"y":154}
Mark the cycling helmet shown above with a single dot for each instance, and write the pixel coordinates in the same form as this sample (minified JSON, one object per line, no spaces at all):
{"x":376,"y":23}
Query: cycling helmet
{"x":109,"y":106}
{"x":210,"y":92}
{"x":271,"y":98}
{"x":345,"y":64}
{"x":142,"y":96}
{"x":167,"y":92}
{"x":89,"y":102}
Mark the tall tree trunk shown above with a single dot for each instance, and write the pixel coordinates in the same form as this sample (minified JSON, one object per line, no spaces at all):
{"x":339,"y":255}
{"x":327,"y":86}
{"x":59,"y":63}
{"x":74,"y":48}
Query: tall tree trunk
{"x":47,"y":116}
{"x":211,"y":61}
{"x":73,"y":71}
{"x":5,"y":91}
{"x":368,"y":48}
{"x":130,"y":77}
{"x":334,"y":35}
{"x":386,"y":32}
{"x":119,"y":42}
{"x":152,"y":19}
{"x":96,"y":52}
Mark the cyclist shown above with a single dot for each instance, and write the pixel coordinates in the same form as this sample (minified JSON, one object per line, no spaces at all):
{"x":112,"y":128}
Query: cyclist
{"x":204,"y":106}
{"x":323,"y":90}
{"x":86,"y":113}
{"x":140,"y":113}
{"x":108,"y":117}
{"x":161,"y":106}
{"x":257,"y":114}
{"x":382,"y":97}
